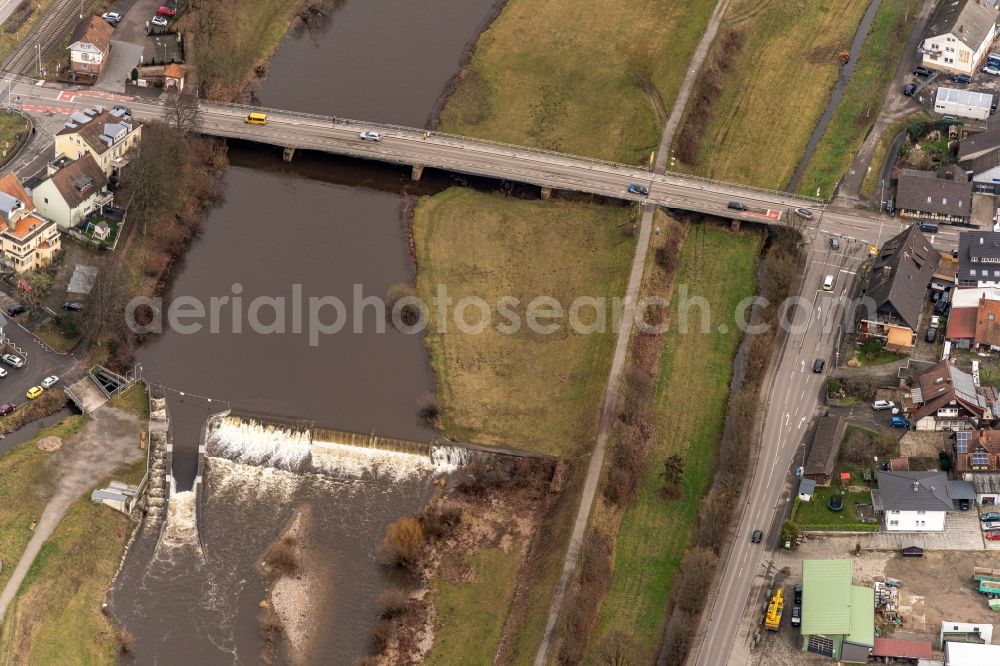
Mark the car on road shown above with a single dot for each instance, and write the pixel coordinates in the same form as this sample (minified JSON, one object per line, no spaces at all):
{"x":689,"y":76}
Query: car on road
{"x":370,"y":135}
{"x":50,"y":381}
{"x":164,"y":10}
{"x":635,"y":188}
{"x":961,"y":78}
{"x":818,"y":365}
{"x":828,"y":283}
{"x":73,"y":305}
{"x":992,"y":535}
{"x":804,"y":213}
{"x":796,"y":616}
{"x":989,"y":69}
{"x":931,"y":335}
{"x":736,"y":205}
{"x":909,"y":89}
{"x":757,"y":536}
{"x":881,"y":405}
{"x":113,"y":18}
{"x":13,"y":360}
{"x":930,"y":227}
{"x":990,"y":515}
{"x":6,"y":408}
{"x":899,"y":422}
{"x":159,"y":21}
{"x":34,"y":392}
{"x":798,"y":595}
{"x":921,"y":71}
{"x":834,"y":243}
{"x":15,"y":310}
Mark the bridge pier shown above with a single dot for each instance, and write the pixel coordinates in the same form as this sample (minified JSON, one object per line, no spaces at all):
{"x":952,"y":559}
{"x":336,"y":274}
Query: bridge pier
{"x":546,"y":193}
{"x":417,"y":172}
{"x":288,"y":154}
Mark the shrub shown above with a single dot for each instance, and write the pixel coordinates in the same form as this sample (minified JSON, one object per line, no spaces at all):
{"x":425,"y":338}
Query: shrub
{"x":428,"y":411}
{"x":440,"y":520}
{"x":402,"y":543}
{"x":694,"y":577}
{"x":409,"y":313}
{"x":67,"y":325}
{"x":392,"y":602}
{"x":381,"y":635}
{"x":125,"y":640}
{"x":789,"y":532}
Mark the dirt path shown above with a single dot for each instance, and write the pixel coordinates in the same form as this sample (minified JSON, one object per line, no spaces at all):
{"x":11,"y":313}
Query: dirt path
{"x":106,"y":442}
{"x":621,"y":346}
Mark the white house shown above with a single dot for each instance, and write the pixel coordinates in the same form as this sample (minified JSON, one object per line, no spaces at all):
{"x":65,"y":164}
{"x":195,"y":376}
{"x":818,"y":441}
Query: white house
{"x":913,"y":501}
{"x":963,"y":103}
{"x":952,"y":631}
{"x":960,"y":36}
{"x":89,"y":46}
{"x":970,"y":654}
{"x":71,"y":190}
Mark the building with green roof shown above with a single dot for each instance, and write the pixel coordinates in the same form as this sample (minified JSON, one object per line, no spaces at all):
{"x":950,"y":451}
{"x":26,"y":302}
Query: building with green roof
{"x":838,"y":618}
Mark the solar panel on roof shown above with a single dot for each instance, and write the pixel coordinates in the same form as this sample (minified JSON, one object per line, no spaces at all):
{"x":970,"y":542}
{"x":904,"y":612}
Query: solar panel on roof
{"x":962,"y":442}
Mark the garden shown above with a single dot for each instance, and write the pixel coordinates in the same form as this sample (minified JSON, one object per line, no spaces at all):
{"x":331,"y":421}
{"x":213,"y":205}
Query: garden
{"x":854,"y":515}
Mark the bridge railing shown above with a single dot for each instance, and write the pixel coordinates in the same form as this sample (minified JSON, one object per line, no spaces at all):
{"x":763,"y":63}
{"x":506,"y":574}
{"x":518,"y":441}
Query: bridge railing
{"x":339,"y":120}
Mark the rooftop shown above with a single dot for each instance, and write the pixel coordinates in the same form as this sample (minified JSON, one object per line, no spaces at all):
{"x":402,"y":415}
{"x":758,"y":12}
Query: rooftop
{"x":914,"y":491}
{"x":925,"y":193}
{"x":825,"y":446}
{"x":987,"y":324}
{"x":962,"y":324}
{"x":980,"y":144}
{"x":900,"y":274}
{"x":99,"y":127}
{"x":826,"y":597}
{"x":969,"y":21}
{"x":965,"y":97}
{"x":91,"y":34}
{"x":78,"y":181}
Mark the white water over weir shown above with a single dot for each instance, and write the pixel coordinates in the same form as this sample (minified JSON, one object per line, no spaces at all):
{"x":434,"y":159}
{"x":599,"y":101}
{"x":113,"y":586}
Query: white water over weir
{"x":260,"y":442}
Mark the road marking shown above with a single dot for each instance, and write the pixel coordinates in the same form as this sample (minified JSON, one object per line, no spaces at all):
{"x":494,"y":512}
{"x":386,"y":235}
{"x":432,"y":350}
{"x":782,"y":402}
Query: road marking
{"x":788,"y":415}
{"x":801,"y":422}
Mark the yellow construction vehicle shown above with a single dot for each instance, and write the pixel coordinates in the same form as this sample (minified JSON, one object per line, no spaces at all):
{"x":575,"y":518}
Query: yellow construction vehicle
{"x":774,"y":609}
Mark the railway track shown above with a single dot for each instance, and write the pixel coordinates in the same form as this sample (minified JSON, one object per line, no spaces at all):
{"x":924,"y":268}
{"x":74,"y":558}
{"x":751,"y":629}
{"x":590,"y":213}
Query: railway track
{"x":57,"y":22}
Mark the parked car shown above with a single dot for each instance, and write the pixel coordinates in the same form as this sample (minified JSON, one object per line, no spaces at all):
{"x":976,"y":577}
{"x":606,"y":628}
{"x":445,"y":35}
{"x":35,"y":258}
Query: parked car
{"x":991,"y":525}
{"x":818,"y":365}
{"x":989,"y":69}
{"x":15,"y":310}
{"x":3,"y":372}
{"x":963,"y":504}
{"x":948,"y":118}
{"x":634,"y":188}
{"x":943,"y":303}
{"x":936,"y":321}
{"x":757,"y":536}
{"x":34,"y":392}
{"x":796,"y":616}
{"x":929,"y":226}
{"x":73,"y":305}
{"x":370,"y":135}
{"x":828,"y":283}
{"x":736,"y":205}
{"x":113,"y":18}
{"x":13,"y":360}
{"x":159,"y":21}
{"x":961,"y":78}
{"x":164,"y":10}
{"x":50,"y":381}
{"x":6,"y":408}
{"x":798,"y":595}
{"x":921,"y":71}
{"x":899,"y":422}
{"x":909,"y":89}
{"x":992,"y":535}
{"x":880,"y":405}
{"x":990,"y":515}
{"x":931,"y":335}
{"x":804,"y":213}
{"x":834,"y":243}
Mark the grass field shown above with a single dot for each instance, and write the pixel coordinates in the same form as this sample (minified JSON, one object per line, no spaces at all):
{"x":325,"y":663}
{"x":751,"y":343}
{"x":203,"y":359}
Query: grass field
{"x":57,"y":616}
{"x":858,"y":108}
{"x":49,"y":333}
{"x":10,"y":40}
{"x":528,"y":390}
{"x":871,"y":182}
{"x":691,"y":395}
{"x":14,"y":131}
{"x":766,"y":82}
{"x":134,"y":401}
{"x":583,"y":77}
{"x":25,"y":488}
{"x":817,"y":516}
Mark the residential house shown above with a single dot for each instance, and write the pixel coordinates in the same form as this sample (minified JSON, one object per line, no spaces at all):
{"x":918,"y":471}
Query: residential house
{"x":979,"y":259}
{"x":961,"y":330}
{"x":912,"y":501}
{"x":824,"y":449}
{"x":977,"y":145}
{"x":838,"y":618}
{"x":965,"y":632}
{"x":896,"y":288}
{"x":89,"y":46}
{"x":963,"y":103}
{"x":164,"y":76}
{"x":975,"y":327}
{"x":977,"y":451}
{"x":959,"y":36}
{"x":946,"y":398}
{"x":106,"y":134}
{"x":69,"y":193}
{"x":922,"y":194}
{"x":27,"y":240}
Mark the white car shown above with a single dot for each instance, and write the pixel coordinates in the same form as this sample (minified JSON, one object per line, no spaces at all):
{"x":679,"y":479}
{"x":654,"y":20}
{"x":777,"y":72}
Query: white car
{"x":828,"y":283}
{"x":935,"y":322}
{"x":370,"y":135}
{"x":880,"y":405}
{"x":159,"y":21}
{"x":114,"y":18}
{"x":3,"y":372}
{"x":49,"y":381}
{"x":12,"y":360}
{"x":991,"y":525}
{"x":991,"y":70}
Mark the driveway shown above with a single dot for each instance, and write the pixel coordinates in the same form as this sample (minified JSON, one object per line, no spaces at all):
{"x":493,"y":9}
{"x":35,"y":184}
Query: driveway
{"x":961,"y":532}
{"x":128,"y":44}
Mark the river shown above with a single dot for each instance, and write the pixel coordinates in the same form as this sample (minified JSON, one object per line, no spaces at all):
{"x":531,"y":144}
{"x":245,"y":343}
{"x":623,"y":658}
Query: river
{"x":318,"y":226}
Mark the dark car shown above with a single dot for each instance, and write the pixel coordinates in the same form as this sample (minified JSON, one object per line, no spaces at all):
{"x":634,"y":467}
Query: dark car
{"x":796,"y":616}
{"x":931,"y":335}
{"x":990,"y":516}
{"x":637,"y":189}
{"x":757,"y":536}
{"x":943,"y":303}
{"x":6,"y":408}
{"x":921,"y":71}
{"x":818,"y":365}
{"x":929,"y":226}
{"x":73,"y":305}
{"x":798,"y":595}
{"x":909,"y":89}
{"x":963,"y":504}
{"x":961,"y":78}
{"x":736,"y":205}
{"x":15,"y":310}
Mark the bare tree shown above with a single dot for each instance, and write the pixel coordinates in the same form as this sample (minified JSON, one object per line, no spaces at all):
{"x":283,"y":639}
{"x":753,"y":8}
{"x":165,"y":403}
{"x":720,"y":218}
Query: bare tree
{"x":151,"y":179}
{"x":182,"y":112}
{"x":673,"y":471}
{"x":33,"y":288}
{"x":107,"y":299}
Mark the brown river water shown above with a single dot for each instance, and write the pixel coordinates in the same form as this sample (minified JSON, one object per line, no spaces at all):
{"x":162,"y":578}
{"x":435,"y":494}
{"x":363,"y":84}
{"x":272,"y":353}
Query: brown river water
{"x":320,"y":225}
